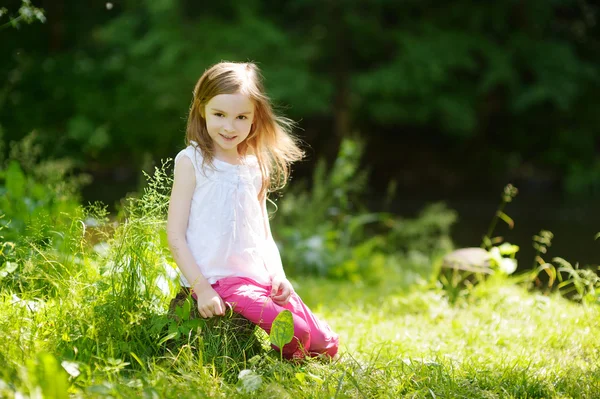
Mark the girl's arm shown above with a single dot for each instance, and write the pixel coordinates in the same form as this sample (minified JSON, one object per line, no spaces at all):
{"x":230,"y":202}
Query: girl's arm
{"x":275,"y":266}
{"x":281,"y":288}
{"x":184,"y":183}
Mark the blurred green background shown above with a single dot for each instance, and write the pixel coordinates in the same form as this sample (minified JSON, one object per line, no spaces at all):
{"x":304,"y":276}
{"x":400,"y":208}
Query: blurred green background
{"x":453,"y":99}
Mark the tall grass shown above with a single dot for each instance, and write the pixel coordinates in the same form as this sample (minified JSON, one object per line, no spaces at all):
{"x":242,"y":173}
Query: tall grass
{"x":96,"y":294}
{"x":85,"y":312}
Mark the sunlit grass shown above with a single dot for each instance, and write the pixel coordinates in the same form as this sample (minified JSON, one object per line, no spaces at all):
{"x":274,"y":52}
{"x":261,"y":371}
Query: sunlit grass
{"x":84,"y":312}
{"x":501,"y":341}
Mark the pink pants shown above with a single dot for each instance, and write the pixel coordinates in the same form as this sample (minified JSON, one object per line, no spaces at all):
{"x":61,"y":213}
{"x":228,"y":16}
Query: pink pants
{"x":251,"y":299}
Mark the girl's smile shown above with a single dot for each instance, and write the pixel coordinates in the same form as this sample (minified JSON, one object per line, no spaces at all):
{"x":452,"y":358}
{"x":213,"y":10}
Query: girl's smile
{"x":228,"y":122}
{"x":228,"y":138}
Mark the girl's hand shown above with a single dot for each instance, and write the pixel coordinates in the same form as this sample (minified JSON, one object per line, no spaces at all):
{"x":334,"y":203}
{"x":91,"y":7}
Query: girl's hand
{"x":210,"y":303}
{"x":281,"y":290}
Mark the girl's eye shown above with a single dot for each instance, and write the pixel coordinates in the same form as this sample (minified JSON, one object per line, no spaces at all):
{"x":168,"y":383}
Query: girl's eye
{"x":242,"y":117}
{"x":218,"y":114}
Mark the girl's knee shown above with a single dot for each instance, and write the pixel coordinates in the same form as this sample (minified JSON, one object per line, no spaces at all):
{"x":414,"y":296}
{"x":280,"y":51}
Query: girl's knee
{"x":326,"y":346}
{"x":301,"y":333}
{"x":332,"y":348}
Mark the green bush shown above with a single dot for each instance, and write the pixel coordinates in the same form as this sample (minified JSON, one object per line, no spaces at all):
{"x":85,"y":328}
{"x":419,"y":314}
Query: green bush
{"x":36,"y":194}
{"x":327,"y":230}
{"x":41,"y":220}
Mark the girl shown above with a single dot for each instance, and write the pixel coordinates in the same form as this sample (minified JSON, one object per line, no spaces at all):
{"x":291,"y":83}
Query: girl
{"x":218,"y":226}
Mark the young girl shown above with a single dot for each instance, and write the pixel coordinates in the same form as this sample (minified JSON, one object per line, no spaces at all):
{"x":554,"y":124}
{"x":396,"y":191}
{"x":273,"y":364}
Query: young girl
{"x":218,"y":226}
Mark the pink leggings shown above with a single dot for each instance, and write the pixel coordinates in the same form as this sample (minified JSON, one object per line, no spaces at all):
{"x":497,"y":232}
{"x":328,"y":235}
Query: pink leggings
{"x":251,"y":299}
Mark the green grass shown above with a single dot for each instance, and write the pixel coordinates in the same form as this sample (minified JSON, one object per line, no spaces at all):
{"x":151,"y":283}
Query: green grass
{"x":501,"y":341}
{"x":78,"y":320}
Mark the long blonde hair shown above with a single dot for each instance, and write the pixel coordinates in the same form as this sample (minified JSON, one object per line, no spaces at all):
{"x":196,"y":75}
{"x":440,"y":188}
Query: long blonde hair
{"x":270,"y":137}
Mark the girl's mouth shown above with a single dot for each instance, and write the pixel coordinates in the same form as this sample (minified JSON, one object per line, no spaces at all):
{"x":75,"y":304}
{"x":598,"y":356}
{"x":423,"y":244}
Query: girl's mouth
{"x":227,"y":138}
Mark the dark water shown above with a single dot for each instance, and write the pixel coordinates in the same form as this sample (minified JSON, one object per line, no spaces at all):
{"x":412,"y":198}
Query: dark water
{"x":574,"y":223}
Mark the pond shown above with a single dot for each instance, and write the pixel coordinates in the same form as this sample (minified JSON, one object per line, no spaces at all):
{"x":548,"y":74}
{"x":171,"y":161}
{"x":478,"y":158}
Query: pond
{"x":574,"y":223}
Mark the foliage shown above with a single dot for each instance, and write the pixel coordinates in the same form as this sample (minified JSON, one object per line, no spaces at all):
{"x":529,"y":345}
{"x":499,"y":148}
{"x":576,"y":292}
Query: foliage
{"x":473,"y":76}
{"x":282,"y":331}
{"x":503,"y":258}
{"x":502,"y":254}
{"x":578,"y":284}
{"x":40,"y":220}
{"x":27,"y":14}
{"x":36,"y":193}
{"x":396,"y":343}
{"x":89,"y":318}
{"x":326,"y":230}
{"x":121,"y":272}
{"x":508,"y":194}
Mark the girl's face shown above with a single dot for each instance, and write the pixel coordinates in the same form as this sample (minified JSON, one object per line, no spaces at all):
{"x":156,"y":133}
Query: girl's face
{"x":228,"y":121}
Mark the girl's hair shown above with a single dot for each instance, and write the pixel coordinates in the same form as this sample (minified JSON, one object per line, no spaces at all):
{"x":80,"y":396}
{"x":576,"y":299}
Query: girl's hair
{"x":270,"y":137}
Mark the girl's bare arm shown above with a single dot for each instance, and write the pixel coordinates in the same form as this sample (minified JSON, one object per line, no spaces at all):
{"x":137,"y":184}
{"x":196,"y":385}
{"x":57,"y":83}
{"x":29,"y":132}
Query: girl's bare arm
{"x":184,"y":183}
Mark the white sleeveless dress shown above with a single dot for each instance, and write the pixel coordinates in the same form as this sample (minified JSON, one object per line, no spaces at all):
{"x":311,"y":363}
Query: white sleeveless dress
{"x":228,"y":231}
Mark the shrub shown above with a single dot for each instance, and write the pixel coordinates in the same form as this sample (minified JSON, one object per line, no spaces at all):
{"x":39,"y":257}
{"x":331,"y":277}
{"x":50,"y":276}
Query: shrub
{"x":327,"y":230}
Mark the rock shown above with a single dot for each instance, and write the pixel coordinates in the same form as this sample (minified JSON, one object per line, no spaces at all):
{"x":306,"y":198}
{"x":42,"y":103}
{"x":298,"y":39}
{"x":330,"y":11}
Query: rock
{"x":474,"y":260}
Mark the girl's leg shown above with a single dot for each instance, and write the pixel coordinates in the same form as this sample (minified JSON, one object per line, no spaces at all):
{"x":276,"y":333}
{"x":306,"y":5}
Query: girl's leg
{"x":252,"y":301}
{"x":322,"y":339}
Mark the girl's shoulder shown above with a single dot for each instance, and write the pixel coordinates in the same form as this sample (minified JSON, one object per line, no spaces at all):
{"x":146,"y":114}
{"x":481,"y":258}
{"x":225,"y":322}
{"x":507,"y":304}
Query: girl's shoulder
{"x":194,"y":153}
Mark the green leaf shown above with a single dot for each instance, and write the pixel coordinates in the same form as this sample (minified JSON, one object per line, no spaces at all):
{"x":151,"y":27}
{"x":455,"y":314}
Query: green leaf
{"x":183,"y":311}
{"x":71,"y":367}
{"x":15,"y":180}
{"x":8,"y":268}
{"x":164,"y":240}
{"x":506,"y":218}
{"x":282,"y":331}
{"x":301,"y":377}
{"x":48,"y":374}
{"x":507,"y":249}
{"x":597,"y":236}
{"x":137,"y":359}
{"x":168,"y":337}
{"x":249,"y":381}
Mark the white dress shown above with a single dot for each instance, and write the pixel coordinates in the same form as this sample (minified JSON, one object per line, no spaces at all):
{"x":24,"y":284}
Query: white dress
{"x":228,"y":230}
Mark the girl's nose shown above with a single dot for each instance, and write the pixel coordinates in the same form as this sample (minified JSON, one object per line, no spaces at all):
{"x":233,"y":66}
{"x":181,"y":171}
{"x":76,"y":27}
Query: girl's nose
{"x":228,"y":126}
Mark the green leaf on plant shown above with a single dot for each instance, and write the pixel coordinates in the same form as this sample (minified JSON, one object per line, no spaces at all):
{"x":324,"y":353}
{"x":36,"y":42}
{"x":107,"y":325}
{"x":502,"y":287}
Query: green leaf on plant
{"x":508,"y":249}
{"x":51,"y":377}
{"x":183,"y":311}
{"x":282,"y":331}
{"x":15,"y":180}
{"x":301,"y":377}
{"x":8,"y":268}
{"x":168,"y":337}
{"x":164,"y":241}
{"x":597,"y":236}
{"x":71,"y":367}
{"x":506,"y":219}
{"x":248,"y":381}
{"x":487,"y":242}
{"x":137,"y":359}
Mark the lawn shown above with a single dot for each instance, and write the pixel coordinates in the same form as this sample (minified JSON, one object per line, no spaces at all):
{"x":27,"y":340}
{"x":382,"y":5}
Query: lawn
{"x":397,"y":340}
{"x":84,"y":308}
